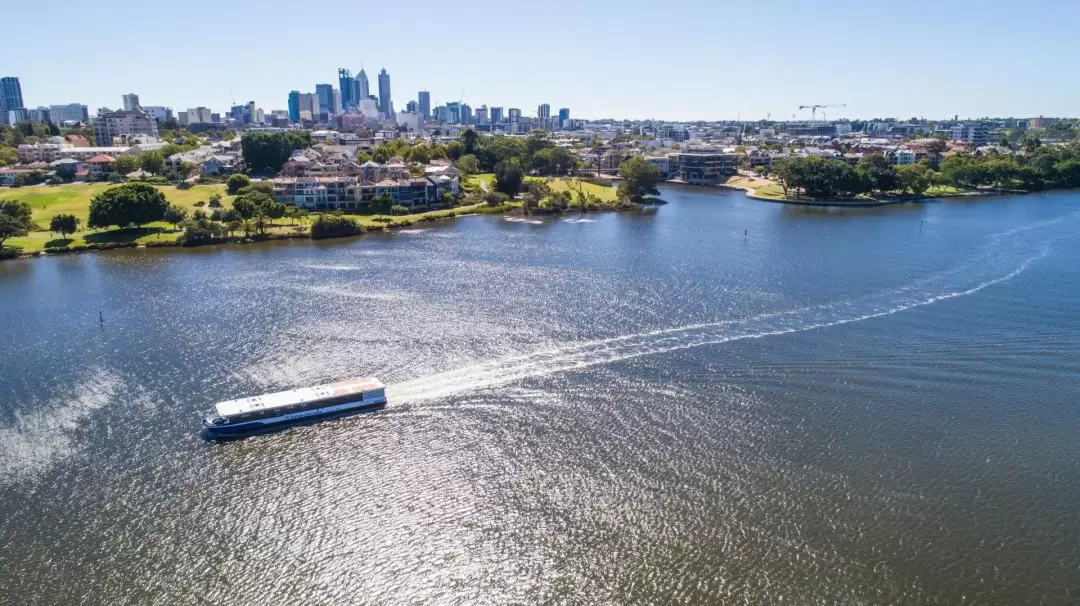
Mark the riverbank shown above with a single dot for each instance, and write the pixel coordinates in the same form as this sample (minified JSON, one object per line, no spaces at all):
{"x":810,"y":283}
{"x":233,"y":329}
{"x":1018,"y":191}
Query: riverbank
{"x":156,"y":236}
{"x":766,"y":190}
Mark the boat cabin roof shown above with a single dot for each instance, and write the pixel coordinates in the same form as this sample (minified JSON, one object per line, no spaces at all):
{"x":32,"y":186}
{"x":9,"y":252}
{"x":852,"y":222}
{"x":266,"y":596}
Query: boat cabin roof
{"x":296,"y":396}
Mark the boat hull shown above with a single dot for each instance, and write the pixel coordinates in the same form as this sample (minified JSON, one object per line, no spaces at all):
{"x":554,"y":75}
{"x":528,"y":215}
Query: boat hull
{"x":240,"y":430}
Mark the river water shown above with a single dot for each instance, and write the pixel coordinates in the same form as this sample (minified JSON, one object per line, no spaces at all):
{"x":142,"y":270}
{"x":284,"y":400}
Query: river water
{"x":717,"y":401}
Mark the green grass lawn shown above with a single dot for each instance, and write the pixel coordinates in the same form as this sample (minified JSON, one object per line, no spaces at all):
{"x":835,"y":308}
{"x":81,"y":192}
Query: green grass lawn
{"x":606,"y":194}
{"x":473,"y":181}
{"x":74,"y":198}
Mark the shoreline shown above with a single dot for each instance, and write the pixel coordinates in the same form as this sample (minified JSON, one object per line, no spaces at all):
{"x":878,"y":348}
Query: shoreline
{"x":397,"y":223}
{"x":751,"y":192}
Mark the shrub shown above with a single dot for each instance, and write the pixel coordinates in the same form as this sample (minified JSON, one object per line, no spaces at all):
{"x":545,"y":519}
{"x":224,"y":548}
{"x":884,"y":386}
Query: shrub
{"x":236,"y":183}
{"x":399,"y":210}
{"x":200,"y":204}
{"x":334,"y":226}
{"x":215,"y":201}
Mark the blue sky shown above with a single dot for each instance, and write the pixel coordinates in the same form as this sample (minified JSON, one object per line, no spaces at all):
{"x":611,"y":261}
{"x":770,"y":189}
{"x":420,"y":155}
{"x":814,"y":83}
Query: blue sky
{"x":677,"y":59}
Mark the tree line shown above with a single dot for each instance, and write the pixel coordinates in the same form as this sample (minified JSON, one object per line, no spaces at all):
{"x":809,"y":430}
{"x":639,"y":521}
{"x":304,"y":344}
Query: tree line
{"x":1045,"y":167}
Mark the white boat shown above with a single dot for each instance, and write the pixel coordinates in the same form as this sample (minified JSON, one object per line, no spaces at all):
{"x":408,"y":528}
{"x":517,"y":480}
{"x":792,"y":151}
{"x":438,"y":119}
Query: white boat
{"x":259,"y":413}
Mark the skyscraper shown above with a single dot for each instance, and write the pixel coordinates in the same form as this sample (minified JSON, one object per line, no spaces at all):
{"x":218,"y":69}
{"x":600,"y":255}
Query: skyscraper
{"x":424,"y":99}
{"x":362,"y":85}
{"x":72,"y":112}
{"x":496,"y":115}
{"x":131,"y":101}
{"x":294,"y":106}
{"x":347,"y":84}
{"x":411,"y":107}
{"x":10,"y":95}
{"x":543,"y":112}
{"x":564,"y":118}
{"x":325,"y":95}
{"x":385,"y":104}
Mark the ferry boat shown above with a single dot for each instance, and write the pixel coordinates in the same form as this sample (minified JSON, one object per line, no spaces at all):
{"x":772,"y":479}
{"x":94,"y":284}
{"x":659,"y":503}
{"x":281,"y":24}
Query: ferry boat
{"x":233,"y":418}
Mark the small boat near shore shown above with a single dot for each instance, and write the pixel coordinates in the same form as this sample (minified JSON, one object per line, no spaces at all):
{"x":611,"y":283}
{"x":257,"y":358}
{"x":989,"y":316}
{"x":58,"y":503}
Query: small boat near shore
{"x":245,"y":416}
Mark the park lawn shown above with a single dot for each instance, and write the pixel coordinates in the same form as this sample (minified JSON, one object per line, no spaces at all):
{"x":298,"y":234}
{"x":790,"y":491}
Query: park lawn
{"x":37,"y":241}
{"x":606,"y":194}
{"x":48,"y":201}
{"x":488,"y":179}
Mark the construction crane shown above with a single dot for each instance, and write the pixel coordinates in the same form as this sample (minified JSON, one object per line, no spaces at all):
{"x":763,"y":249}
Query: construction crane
{"x":813,"y":108}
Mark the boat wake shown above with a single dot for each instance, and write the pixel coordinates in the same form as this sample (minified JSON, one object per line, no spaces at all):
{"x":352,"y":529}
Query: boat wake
{"x":987,"y":267}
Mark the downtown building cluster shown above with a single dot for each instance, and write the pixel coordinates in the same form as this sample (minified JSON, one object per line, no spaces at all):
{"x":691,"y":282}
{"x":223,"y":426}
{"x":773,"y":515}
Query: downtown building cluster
{"x":353,"y":104}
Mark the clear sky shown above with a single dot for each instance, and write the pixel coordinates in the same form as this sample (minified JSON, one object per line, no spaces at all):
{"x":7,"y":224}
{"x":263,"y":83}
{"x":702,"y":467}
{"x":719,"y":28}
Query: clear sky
{"x":675,"y":59}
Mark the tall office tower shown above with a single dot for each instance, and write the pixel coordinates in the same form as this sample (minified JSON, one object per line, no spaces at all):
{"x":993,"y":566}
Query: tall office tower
{"x":544,"y":111}
{"x":362,"y":85}
{"x":294,"y":106}
{"x":347,"y":87}
{"x":564,"y":118}
{"x":386,"y":106}
{"x":325,"y":95}
{"x":496,"y":115}
{"x":10,"y":95}
{"x":424,"y":105}
{"x":131,"y":101}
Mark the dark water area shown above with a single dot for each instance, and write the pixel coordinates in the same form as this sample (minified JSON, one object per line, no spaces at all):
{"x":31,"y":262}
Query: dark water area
{"x":716,"y":401}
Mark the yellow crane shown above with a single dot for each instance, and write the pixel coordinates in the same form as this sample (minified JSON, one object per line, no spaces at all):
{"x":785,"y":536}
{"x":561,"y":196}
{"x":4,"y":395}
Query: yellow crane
{"x":813,"y":108}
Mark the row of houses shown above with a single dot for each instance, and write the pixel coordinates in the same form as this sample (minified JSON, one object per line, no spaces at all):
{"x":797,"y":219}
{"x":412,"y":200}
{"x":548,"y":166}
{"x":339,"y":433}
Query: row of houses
{"x":326,"y":177}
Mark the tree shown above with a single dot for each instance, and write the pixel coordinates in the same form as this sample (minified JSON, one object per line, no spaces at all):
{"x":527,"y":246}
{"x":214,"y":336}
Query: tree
{"x":468,"y":164}
{"x":880,"y":171}
{"x":127,"y":204}
{"x":536,"y":192}
{"x":495,"y":198}
{"x":553,"y":161}
{"x":63,"y":224}
{"x":15,"y":219}
{"x":174,"y":215}
{"x":236,"y":182}
{"x":123,"y":165}
{"x":65,"y":173}
{"x":914,"y":179}
{"x":382,"y":204}
{"x":362,"y":157}
{"x":215,"y":201}
{"x":639,"y":179}
{"x":469,"y":140}
{"x":268,"y":151}
{"x":508,"y":177}
{"x":153,"y":162}
{"x":8,"y":156}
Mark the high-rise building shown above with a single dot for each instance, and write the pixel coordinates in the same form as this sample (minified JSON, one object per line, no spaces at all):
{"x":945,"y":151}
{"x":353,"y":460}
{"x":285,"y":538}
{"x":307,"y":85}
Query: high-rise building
{"x":362,"y":85}
{"x":411,"y":107}
{"x":131,"y":101}
{"x":251,"y":114}
{"x":294,"y":106}
{"x":200,"y":115}
{"x":41,"y":114}
{"x":442,"y":114}
{"x":72,"y":112}
{"x":466,"y":114}
{"x":424,"y":105}
{"x":11,"y":101}
{"x":496,"y":115}
{"x":386,"y":106}
{"x":309,"y":106}
{"x":482,"y":115}
{"x":109,"y":126}
{"x":159,"y":112}
{"x":543,"y":112}
{"x":347,"y":84}
{"x":325,"y":95}
{"x":453,"y":113}
{"x":564,"y":118}
{"x":514,"y":118}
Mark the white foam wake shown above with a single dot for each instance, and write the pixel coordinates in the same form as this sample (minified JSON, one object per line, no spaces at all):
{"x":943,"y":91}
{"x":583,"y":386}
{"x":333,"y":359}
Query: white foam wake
{"x":978,"y":272}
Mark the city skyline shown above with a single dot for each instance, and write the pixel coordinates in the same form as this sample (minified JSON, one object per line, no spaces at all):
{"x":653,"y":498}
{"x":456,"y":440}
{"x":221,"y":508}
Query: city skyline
{"x":739,"y":61}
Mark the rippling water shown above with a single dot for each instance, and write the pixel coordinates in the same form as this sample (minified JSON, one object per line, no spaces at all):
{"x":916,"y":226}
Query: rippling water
{"x":717,"y":401}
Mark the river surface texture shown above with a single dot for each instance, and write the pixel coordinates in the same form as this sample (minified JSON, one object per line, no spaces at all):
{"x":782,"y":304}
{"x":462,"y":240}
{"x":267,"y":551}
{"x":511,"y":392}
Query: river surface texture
{"x":718,"y":401}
